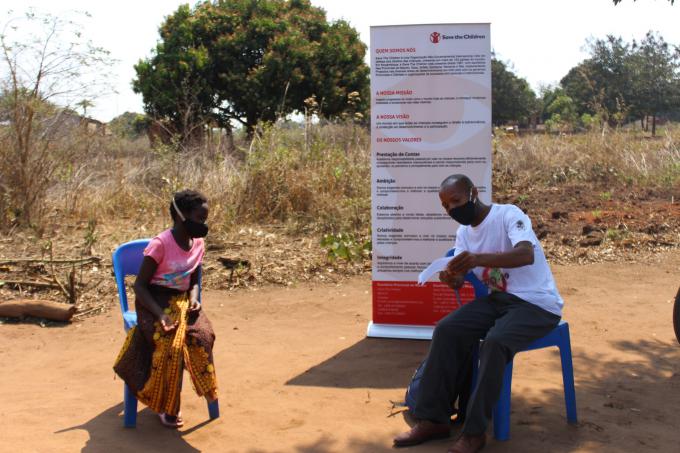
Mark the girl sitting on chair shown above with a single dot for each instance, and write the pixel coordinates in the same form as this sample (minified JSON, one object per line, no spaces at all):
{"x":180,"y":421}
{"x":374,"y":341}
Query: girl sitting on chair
{"x":172,"y":332}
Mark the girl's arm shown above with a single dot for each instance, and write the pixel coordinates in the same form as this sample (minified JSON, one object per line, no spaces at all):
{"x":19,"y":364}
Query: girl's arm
{"x":194,"y":304}
{"x":144,"y":296}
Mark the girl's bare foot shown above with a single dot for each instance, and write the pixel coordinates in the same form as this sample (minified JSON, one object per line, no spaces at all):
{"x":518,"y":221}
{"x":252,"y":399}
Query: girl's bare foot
{"x":171,"y":421}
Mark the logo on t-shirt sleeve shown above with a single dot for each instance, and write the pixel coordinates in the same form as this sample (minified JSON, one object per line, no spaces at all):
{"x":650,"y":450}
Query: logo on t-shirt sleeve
{"x":520,"y":225}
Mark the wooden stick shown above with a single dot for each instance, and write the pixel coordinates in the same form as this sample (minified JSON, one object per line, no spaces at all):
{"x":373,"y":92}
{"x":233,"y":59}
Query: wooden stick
{"x":54,"y":274}
{"x":51,"y":261}
{"x":30,"y":283}
{"x":60,"y":286}
{"x":87,"y":290}
{"x":80,"y":314}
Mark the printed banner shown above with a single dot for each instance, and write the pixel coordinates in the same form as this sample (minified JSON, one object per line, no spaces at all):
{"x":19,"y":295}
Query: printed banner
{"x":430,"y":118}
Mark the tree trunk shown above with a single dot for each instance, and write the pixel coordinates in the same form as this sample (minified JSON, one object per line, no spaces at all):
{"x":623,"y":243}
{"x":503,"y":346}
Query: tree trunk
{"x":230,"y":138}
{"x":250,"y":131}
{"x":654,"y":125}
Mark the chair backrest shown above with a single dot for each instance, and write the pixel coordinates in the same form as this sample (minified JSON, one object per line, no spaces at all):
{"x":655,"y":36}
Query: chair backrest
{"x":480,"y":288}
{"x":127,"y":259}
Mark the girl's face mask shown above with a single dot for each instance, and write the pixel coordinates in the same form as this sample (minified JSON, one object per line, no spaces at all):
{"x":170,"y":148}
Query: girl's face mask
{"x":194,"y":229}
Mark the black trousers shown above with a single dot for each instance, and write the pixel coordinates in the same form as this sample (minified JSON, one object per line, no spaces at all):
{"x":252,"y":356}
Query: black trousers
{"x":507,"y":324}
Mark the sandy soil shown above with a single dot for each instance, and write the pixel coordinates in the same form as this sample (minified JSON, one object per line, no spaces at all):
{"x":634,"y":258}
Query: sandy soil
{"x":298,"y":375}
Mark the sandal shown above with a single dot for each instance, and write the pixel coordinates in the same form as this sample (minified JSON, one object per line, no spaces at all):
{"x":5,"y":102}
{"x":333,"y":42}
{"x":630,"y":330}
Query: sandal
{"x":171,"y":421}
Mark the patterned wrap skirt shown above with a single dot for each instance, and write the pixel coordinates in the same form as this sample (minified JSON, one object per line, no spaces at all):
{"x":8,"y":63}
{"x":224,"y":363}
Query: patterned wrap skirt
{"x":151,"y":360}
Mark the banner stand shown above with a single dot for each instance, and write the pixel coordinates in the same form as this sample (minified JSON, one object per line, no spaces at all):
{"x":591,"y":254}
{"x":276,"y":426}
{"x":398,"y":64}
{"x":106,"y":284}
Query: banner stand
{"x":430,"y":118}
{"x":399,"y":331}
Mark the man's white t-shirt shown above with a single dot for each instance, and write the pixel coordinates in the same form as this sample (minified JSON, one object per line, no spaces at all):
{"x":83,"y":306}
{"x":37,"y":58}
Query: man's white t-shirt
{"x":504,"y":226}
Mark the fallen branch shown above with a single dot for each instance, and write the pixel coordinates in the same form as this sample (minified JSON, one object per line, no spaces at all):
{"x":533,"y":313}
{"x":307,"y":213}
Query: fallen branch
{"x":54,"y":276}
{"x":90,"y":288}
{"x":89,"y":259}
{"x":61,"y":287}
{"x":30,"y":283}
{"x":81,"y":314}
{"x":46,"y":309}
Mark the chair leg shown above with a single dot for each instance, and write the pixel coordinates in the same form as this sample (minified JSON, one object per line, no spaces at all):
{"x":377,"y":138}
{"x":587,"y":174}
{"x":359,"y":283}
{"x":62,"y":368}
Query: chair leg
{"x":214,"y":409}
{"x":501,"y":413}
{"x":130,"y":408}
{"x":568,"y":376}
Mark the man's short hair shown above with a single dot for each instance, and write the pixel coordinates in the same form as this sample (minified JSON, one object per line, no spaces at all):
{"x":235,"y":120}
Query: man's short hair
{"x":454,"y":179}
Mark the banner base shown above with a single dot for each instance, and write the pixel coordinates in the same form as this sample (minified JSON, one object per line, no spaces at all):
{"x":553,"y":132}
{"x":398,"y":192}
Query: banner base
{"x":400,"y":331}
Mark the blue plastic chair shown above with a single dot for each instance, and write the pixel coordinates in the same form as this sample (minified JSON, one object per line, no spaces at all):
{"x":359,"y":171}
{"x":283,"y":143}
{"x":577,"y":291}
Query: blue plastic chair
{"x":558,"y":337}
{"x":127,"y":259}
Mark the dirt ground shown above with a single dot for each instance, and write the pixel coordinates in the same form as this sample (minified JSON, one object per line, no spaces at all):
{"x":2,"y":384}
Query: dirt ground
{"x":297,"y":374}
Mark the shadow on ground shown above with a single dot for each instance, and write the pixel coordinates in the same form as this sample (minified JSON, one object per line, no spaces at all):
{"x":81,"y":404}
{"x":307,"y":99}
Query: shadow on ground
{"x":107,"y":434}
{"x":627,"y":403}
{"x":369,"y":363}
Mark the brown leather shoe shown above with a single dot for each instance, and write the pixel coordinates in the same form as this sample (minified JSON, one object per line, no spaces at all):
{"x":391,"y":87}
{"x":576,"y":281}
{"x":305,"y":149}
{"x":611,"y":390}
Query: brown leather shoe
{"x":423,"y":431}
{"x":468,"y":444}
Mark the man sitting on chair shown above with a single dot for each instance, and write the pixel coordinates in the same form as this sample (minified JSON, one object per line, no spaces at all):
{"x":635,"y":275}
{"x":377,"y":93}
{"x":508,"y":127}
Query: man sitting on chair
{"x":498,"y":244}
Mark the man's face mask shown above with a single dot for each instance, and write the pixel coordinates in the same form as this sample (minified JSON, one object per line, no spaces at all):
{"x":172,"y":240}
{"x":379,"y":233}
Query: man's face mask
{"x":194,"y":229}
{"x":464,"y":214}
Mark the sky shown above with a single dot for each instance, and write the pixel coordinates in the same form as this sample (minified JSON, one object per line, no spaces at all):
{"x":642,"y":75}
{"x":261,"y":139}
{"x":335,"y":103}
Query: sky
{"x":541,"y":39}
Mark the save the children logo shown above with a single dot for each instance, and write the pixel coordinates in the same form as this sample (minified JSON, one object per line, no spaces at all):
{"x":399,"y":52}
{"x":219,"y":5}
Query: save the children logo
{"x":434,"y":37}
{"x":495,"y":279}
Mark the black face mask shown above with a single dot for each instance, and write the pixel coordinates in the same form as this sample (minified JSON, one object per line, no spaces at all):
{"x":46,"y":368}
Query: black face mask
{"x":194,"y":229}
{"x":464,"y":214}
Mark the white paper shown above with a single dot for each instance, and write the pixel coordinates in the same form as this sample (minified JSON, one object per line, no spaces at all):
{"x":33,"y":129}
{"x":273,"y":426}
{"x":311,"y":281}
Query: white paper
{"x":437,"y":265}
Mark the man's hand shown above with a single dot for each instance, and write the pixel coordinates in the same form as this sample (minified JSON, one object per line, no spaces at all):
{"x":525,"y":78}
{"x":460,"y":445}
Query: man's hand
{"x":194,"y":306}
{"x":166,"y":323}
{"x":453,"y":281}
{"x":462,"y":263}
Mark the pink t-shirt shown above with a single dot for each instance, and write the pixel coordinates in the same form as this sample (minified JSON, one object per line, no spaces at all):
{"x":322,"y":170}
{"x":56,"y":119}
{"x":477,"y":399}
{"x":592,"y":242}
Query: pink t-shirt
{"x":175,"y":265}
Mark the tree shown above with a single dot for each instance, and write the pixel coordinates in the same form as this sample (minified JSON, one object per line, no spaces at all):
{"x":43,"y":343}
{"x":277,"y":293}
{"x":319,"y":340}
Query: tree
{"x":250,"y":61}
{"x":561,"y":112}
{"x":621,"y":80}
{"x":610,"y":75}
{"x":654,"y":66}
{"x":579,"y":85}
{"x":129,"y":125}
{"x":84,"y":104}
{"x":47,"y":67}
{"x":512,"y":100}
{"x":600,"y":86}
{"x":174,"y":83}
{"x":340,"y":73}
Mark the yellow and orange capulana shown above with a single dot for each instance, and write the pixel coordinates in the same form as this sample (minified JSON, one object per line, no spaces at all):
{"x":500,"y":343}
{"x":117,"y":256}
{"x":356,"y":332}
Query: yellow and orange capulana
{"x":171,"y":354}
{"x":201,"y":370}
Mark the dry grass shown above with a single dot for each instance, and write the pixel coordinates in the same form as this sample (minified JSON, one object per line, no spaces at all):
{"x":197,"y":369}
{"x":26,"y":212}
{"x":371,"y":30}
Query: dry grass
{"x":275,"y":197}
{"x":615,"y":158}
{"x":317,"y":178}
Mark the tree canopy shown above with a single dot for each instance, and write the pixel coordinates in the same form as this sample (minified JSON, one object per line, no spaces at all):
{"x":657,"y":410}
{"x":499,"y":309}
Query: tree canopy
{"x":251,"y":61}
{"x":623,"y":80}
{"x":512,"y":100}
